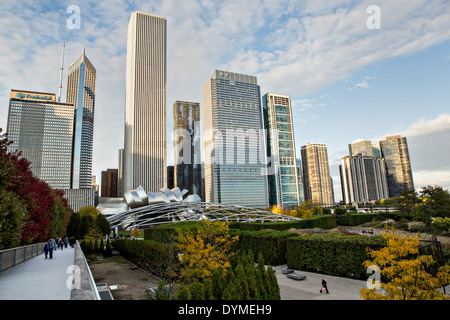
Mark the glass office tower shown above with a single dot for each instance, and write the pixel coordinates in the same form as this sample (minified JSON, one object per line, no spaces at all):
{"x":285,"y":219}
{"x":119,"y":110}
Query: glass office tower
{"x":145,"y":145}
{"x":187,"y":147}
{"x":234,"y":141}
{"x":317,"y":182}
{"x":364,"y":148}
{"x":283,"y":183}
{"x":81,"y":93}
{"x":395,"y":152}
{"x":42,"y":129}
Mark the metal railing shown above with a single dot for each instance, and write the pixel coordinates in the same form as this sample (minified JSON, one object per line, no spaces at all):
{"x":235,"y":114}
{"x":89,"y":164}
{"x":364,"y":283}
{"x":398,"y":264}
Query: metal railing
{"x":11,"y":257}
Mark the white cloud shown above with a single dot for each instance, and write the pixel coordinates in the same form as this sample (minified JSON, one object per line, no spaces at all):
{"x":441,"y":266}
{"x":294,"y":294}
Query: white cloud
{"x":293,"y":47}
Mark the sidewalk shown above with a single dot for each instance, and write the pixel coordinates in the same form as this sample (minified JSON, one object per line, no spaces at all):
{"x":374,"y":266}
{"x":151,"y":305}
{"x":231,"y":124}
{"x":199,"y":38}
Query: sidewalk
{"x":39,"y":278}
{"x":309,"y":289}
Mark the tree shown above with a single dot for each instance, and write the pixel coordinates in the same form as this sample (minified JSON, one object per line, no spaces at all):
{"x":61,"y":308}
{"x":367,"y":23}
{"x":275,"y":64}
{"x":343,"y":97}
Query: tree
{"x":73,"y":225}
{"x":93,"y":211}
{"x":12,"y":219}
{"x":103,"y":224}
{"x":135,"y":232}
{"x":403,"y":271}
{"x":308,"y":208}
{"x":204,"y":249}
{"x":340,"y":210}
{"x":46,"y":209}
{"x":437,"y":200}
{"x":86,"y":222}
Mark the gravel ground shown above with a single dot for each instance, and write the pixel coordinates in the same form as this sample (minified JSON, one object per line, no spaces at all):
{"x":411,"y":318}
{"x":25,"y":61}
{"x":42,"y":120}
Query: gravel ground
{"x":126,"y":281}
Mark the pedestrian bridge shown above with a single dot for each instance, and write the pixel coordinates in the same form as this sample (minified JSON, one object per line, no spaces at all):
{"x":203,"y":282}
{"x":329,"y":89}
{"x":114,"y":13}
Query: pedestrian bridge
{"x":25,"y":274}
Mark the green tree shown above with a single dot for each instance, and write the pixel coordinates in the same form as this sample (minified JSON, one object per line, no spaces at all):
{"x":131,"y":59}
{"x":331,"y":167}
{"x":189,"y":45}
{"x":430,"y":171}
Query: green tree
{"x":437,"y":200}
{"x":85,"y":225}
{"x":103,"y":224}
{"x":73,"y":225}
{"x":12,"y":219}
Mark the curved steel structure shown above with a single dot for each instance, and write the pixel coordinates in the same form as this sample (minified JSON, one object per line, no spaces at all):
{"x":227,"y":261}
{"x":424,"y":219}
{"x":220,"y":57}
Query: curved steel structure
{"x":168,"y":206}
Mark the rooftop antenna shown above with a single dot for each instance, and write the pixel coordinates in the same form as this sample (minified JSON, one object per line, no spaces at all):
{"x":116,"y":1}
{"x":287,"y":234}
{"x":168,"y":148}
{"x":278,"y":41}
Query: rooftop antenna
{"x":152,"y":11}
{"x":62,"y":71}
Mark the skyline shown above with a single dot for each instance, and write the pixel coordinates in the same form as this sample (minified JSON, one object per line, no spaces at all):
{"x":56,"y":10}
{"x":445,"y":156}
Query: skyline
{"x":345,"y":81}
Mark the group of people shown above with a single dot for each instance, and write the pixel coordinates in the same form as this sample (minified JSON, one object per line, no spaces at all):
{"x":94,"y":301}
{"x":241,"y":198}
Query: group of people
{"x":57,"y":243}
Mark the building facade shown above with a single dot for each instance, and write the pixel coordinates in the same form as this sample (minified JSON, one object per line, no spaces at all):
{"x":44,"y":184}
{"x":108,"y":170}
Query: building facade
{"x":81,"y":93}
{"x":283,"y":183}
{"x":395,"y":152}
{"x":364,"y":148}
{"x":317,"y":184}
{"x":234,"y":141}
{"x":42,"y":129}
{"x":187,"y":147}
{"x":363,"y":179}
{"x":110,"y":183}
{"x":145,"y":145}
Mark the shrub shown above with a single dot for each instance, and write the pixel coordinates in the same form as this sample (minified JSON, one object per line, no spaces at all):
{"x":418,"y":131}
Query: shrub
{"x":271,"y":244}
{"x":441,"y":224}
{"x":416,"y":226}
{"x":332,"y":254}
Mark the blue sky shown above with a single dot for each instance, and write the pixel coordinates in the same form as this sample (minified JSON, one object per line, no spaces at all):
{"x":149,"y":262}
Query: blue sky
{"x":346,"y":81}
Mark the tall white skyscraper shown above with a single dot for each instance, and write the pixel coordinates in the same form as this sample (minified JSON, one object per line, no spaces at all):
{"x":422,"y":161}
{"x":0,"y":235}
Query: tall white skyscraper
{"x":145,"y":158}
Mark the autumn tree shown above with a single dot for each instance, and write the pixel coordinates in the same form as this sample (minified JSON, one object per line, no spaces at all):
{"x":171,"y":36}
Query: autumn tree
{"x":204,"y":249}
{"x":403,"y":271}
{"x":33,"y":209}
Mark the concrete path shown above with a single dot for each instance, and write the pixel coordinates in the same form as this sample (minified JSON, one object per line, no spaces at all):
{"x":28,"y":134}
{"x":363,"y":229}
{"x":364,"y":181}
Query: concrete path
{"x":39,"y":278}
{"x":309,"y":288}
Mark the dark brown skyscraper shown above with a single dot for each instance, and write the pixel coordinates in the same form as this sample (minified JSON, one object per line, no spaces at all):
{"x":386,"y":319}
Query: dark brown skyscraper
{"x":109,"y":183}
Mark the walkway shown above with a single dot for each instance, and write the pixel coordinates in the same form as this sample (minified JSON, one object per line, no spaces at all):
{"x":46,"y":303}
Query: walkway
{"x":39,"y":278}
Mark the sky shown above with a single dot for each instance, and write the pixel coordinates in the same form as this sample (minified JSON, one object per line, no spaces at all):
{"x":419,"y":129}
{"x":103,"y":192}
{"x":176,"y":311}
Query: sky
{"x":351,"y":73}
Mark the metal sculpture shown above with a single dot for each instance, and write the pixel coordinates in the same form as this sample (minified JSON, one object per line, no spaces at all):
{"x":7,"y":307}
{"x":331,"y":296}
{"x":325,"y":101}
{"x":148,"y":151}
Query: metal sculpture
{"x":170,"y":206}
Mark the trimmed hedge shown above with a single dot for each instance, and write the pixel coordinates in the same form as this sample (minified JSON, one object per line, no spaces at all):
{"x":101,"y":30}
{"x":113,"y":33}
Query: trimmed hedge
{"x":333,"y":254}
{"x":324,"y":222}
{"x":271,"y":244}
{"x":149,"y":255}
{"x":355,"y":219}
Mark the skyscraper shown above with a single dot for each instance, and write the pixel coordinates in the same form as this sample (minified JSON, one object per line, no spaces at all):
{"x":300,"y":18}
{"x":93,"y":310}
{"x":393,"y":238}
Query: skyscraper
{"x":234,"y":142}
{"x":187,"y":147}
{"x":81,"y":93}
{"x":145,"y":159}
{"x":363,"y":179}
{"x":363,"y":148}
{"x":283,"y":184}
{"x":109,"y":183}
{"x":316,"y":174}
{"x":42,"y":129}
{"x":395,"y":152}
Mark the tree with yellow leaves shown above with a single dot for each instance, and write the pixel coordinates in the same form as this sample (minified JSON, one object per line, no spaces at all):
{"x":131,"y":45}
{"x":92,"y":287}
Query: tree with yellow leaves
{"x":204,"y":250}
{"x":404,"y":271}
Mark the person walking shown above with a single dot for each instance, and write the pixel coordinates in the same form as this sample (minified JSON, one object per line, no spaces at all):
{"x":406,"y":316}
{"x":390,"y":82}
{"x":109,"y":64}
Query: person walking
{"x":324,"y":286}
{"x":66,"y":241}
{"x":50,"y":248}
{"x":46,"y":250}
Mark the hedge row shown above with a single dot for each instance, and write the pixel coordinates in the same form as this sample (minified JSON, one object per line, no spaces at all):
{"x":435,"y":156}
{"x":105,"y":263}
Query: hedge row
{"x":149,"y":255}
{"x":271,"y":244}
{"x":333,"y":254}
{"x":164,"y":232}
{"x":324,"y":222}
